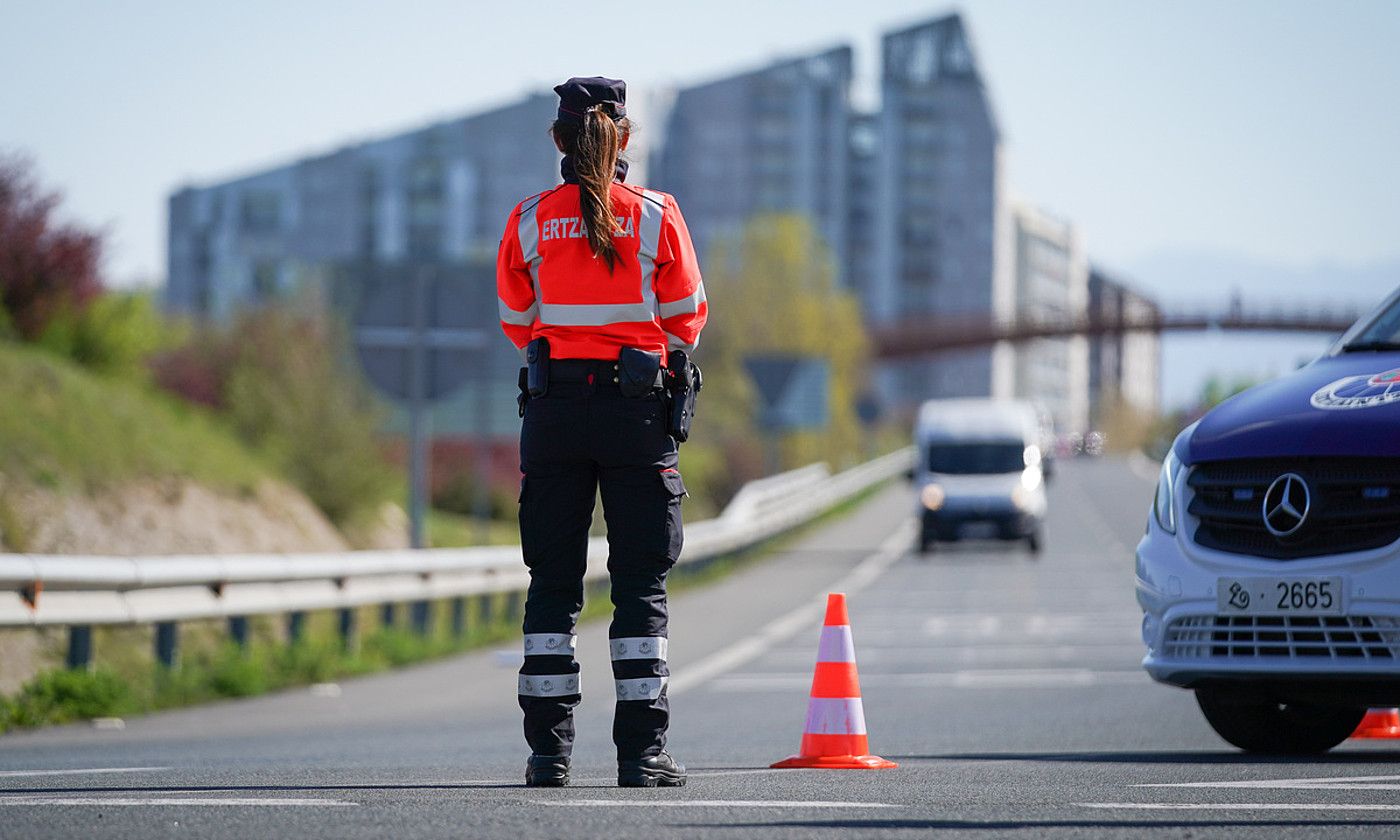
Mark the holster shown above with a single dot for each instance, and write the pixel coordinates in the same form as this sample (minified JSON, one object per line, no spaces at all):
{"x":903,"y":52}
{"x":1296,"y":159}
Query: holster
{"x":638,"y":372}
{"x":537,"y":367}
{"x":524,"y":396}
{"x":683,"y":382}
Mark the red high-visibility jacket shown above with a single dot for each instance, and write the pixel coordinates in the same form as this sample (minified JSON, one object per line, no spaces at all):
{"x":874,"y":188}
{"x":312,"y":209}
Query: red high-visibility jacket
{"x":549,"y":284}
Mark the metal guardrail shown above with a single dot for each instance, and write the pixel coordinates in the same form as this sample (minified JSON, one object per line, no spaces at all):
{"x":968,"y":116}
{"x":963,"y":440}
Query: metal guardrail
{"x":82,"y":591}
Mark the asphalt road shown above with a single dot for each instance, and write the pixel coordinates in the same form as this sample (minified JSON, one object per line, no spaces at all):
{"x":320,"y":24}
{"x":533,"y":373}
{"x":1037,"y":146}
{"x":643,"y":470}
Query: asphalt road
{"x":1007,"y":688}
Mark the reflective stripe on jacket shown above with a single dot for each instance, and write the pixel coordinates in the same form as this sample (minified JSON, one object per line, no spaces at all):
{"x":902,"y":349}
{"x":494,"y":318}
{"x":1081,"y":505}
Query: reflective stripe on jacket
{"x":549,"y":284}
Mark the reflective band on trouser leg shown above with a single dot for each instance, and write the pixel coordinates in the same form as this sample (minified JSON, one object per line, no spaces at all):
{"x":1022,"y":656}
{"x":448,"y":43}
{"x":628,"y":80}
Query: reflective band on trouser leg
{"x":646,"y":688}
{"x":548,"y":685}
{"x":640,"y":647}
{"x":835,"y":680}
{"x":836,"y":645}
{"x":550,"y":644}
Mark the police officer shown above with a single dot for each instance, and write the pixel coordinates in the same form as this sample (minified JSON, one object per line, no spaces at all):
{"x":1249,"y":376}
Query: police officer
{"x":598,"y":285}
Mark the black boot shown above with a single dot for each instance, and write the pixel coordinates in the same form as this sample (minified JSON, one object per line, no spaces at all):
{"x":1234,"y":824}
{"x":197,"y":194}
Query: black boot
{"x":547,"y":771}
{"x":651,"y":771}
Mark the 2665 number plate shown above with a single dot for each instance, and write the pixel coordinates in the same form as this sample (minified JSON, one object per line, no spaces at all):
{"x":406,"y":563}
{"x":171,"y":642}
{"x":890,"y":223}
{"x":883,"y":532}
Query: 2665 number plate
{"x":1280,"y":596}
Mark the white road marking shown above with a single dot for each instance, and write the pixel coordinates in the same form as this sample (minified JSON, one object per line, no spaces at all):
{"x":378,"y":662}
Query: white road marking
{"x":1237,"y":806}
{"x":1029,"y":678}
{"x":707,"y":803}
{"x":13,"y":774}
{"x":799,"y":619}
{"x":1320,"y":783}
{"x":1143,"y":467}
{"x":182,"y":801}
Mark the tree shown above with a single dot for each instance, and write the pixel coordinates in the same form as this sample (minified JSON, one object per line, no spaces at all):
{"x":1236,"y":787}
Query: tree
{"x":773,"y":290}
{"x":47,"y":268}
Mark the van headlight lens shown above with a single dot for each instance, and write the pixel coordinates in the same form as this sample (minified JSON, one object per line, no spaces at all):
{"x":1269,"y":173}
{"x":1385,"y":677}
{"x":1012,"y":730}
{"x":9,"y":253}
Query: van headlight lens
{"x":1164,"y":503}
{"x":932,"y":496}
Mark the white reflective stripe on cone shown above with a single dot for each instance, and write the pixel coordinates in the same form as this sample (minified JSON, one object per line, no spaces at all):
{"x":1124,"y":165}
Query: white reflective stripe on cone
{"x":836,"y":645}
{"x":550,"y":644}
{"x":640,"y":647}
{"x":646,"y":688}
{"x":835,"y":716}
{"x":548,"y":685}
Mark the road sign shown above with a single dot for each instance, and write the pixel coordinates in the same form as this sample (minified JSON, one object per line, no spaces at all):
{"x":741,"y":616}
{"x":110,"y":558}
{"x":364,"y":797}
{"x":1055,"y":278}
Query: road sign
{"x":410,"y":312}
{"x":792,"y":390}
{"x":412,"y":340}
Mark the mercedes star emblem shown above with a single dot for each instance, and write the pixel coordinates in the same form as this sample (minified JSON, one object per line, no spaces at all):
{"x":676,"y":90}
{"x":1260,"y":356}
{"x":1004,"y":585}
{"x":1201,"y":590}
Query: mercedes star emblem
{"x":1286,"y":505}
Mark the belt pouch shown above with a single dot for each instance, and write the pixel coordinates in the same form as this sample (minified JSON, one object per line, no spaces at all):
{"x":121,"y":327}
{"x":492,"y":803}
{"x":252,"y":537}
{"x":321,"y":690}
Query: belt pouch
{"x":637,"y":372}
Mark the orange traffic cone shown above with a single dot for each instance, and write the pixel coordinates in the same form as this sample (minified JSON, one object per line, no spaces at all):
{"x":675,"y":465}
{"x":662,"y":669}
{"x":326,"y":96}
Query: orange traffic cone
{"x":834,"y":738}
{"x":1379,"y":723}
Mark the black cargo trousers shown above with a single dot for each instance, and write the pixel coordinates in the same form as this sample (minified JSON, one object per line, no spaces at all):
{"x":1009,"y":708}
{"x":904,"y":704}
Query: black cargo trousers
{"x":583,"y":436}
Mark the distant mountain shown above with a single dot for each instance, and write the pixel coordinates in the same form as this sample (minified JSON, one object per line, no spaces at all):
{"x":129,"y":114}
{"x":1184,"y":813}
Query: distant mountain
{"x":1197,"y":277}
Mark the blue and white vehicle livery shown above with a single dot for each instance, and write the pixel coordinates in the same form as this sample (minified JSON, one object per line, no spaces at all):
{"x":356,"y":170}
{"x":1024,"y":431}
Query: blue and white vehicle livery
{"x":1269,"y":576}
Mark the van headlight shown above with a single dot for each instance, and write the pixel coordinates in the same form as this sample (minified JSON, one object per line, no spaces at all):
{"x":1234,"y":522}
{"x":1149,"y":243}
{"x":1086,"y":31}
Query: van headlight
{"x":932,"y":496}
{"x":1164,"y":503}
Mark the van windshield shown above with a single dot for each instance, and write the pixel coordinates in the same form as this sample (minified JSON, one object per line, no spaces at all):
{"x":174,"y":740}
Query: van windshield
{"x":976,"y":458}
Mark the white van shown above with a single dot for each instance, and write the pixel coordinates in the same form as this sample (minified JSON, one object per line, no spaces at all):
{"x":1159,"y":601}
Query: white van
{"x":979,"y":471}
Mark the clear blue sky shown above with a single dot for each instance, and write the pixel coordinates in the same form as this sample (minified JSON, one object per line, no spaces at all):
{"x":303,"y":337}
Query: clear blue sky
{"x":1262,"y":130}
{"x":1268,"y":129}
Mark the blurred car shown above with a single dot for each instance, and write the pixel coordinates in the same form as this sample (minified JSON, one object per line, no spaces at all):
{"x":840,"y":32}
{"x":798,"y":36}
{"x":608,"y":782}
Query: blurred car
{"x":979,"y":472}
{"x":1269,"y":576}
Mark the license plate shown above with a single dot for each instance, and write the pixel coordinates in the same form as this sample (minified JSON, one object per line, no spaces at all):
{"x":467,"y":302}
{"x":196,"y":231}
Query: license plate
{"x":1281,"y":596}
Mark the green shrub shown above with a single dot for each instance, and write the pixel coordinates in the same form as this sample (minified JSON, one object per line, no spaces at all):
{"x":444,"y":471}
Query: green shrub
{"x":284,"y":382}
{"x":115,"y":334}
{"x":61,"y":696}
{"x":235,"y":674}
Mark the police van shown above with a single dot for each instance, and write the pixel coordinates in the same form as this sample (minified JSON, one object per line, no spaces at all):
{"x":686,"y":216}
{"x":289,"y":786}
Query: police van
{"x":979,"y":471}
{"x":1269,"y":576}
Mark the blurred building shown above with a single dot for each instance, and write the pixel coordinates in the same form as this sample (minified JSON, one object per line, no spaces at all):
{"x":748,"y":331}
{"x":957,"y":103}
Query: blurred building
{"x":909,"y":198}
{"x":315,"y":229}
{"x":941,"y":244}
{"x":1124,"y":367}
{"x":1051,"y":285}
{"x":768,"y":140}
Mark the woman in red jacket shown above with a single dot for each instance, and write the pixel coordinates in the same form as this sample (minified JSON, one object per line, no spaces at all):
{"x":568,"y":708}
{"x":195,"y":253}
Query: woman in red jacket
{"x":598,"y":286}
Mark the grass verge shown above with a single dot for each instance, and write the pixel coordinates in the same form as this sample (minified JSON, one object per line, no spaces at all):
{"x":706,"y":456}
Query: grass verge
{"x":66,"y":427}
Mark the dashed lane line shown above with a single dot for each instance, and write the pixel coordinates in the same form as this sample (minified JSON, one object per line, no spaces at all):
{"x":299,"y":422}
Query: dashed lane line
{"x":708,"y":803}
{"x":1238,"y":806}
{"x":975,"y":679}
{"x":15,"y":774}
{"x":166,"y":801}
{"x":1320,"y":783}
{"x":799,"y":619}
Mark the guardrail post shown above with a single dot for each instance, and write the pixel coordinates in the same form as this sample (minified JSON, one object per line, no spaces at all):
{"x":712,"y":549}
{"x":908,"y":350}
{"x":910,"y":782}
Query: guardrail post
{"x":167,"y":643}
{"x":486,"y":608}
{"x":348,"y":621}
{"x":296,"y":627}
{"x":80,"y":647}
{"x":459,"y":617}
{"x":238,"y":630}
{"x":515,"y":606}
{"x":387,"y":615}
{"x":421,"y":617}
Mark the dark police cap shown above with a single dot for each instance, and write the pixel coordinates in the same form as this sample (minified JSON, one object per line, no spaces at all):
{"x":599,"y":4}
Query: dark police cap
{"x":577,"y":95}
